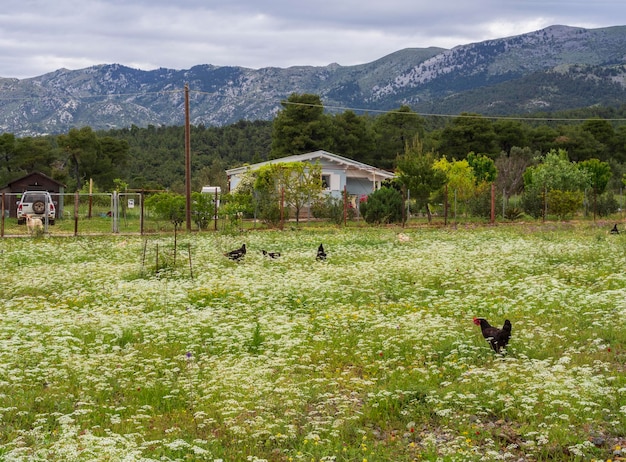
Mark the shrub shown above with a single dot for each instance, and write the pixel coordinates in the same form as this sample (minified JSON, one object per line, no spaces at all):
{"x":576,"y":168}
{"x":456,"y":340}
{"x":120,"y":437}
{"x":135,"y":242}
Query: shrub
{"x":234,"y":206}
{"x":532,"y":203}
{"x":202,"y":209}
{"x":513,"y":213}
{"x":269,"y":209}
{"x":331,"y":208}
{"x":168,"y":206}
{"x":383,"y":206}
{"x":606,"y":204}
{"x":564,"y":203}
{"x":480,"y":204}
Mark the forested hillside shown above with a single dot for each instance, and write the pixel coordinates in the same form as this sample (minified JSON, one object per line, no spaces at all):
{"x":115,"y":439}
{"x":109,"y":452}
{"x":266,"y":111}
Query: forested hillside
{"x":156,"y":154}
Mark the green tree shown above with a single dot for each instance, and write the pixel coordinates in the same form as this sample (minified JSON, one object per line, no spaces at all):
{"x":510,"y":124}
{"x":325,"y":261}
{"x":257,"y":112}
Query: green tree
{"x":599,"y":173}
{"x":353,"y":136}
{"x":110,"y":163}
{"x":601,"y":130}
{"x":510,"y":134}
{"x":460,"y":178}
{"x":91,"y":157}
{"x":9,"y":162}
{"x":619,"y":145}
{"x":415,"y":171}
{"x":82,"y":149}
{"x":392,"y":132}
{"x":240,"y":202}
{"x":542,"y":138}
{"x":301,"y":182}
{"x":554,"y":172}
{"x":301,"y":126}
{"x":202,"y":209}
{"x":168,"y":206}
{"x":468,"y":133}
{"x":38,"y":154}
{"x":212,"y":175}
{"x":483,"y":167}
{"x":579,"y":144}
{"x":20,"y":156}
{"x":267,"y":195}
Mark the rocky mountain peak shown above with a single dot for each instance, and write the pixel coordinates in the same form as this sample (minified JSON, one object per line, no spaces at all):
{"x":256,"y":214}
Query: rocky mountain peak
{"x":483,"y":77}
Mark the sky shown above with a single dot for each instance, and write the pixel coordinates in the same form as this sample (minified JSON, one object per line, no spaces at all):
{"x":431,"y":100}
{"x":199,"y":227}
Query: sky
{"x":41,"y":36}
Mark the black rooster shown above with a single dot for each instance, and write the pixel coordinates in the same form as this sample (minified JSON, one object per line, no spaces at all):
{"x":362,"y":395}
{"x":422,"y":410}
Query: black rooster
{"x":497,"y":338}
{"x":321,"y":255}
{"x":615,"y":230}
{"x":236,"y":254}
{"x":271,"y":254}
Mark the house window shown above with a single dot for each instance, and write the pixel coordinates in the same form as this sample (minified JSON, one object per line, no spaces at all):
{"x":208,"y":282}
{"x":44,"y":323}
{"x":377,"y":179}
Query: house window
{"x":326,"y":182}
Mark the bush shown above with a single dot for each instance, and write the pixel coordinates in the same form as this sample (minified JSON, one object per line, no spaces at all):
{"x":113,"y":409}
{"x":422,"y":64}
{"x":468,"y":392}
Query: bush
{"x":202,"y":209}
{"x":480,"y":204}
{"x":383,"y":206}
{"x":168,"y":206}
{"x":532,"y":203}
{"x":328,"y":207}
{"x":606,"y":204}
{"x":269,"y":209}
{"x":235,"y":206}
{"x":331,"y":208}
{"x":564,"y":203}
{"x":513,"y":213}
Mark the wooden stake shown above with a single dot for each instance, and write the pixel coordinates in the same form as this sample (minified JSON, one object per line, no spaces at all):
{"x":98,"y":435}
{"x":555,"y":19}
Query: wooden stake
{"x":190,"y":266}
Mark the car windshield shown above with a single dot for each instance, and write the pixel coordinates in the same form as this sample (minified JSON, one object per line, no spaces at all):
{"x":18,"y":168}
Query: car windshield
{"x":33,"y":197}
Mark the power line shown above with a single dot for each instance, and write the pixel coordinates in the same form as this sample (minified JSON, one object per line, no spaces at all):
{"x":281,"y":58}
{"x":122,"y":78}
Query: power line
{"x":465,"y":116}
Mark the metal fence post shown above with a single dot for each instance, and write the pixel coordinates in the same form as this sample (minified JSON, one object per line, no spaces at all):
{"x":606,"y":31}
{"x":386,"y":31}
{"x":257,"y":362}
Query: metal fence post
{"x":114,"y":211}
{"x":76,"y":199}
{"x":141,"y":212}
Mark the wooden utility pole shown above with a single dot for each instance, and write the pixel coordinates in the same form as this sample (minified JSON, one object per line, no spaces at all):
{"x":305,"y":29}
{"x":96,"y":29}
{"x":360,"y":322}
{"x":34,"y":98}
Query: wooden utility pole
{"x":187,"y":160}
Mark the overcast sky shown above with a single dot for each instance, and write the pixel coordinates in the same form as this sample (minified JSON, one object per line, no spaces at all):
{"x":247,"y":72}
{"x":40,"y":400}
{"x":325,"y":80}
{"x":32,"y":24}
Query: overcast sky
{"x":40,"y":36}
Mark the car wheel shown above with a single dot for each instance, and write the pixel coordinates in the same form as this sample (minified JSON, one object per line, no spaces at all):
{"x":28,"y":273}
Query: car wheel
{"x":50,"y":222}
{"x":39,"y":207}
{"x":21,"y":221}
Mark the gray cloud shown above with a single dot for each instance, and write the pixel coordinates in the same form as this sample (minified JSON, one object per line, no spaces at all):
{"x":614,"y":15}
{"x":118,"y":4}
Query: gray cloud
{"x":37,"y":36}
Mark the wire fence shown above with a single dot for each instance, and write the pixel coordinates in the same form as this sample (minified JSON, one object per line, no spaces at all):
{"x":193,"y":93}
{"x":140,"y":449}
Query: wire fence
{"x":111,"y":213}
{"x":75,"y":214}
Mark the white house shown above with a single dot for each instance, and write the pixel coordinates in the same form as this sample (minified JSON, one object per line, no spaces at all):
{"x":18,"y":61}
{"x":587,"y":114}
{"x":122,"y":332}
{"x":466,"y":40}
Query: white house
{"x":337,"y":173}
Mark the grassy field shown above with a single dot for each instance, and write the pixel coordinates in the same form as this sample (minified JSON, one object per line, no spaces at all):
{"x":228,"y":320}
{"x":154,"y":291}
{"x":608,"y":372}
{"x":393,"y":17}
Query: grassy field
{"x":127,"y":348}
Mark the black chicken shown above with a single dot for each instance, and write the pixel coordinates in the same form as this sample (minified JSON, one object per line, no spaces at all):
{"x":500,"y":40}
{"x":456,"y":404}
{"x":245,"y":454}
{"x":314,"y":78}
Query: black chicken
{"x":497,"y":338}
{"x":271,"y":254}
{"x":615,"y":230}
{"x":321,"y":255}
{"x":236,"y":254}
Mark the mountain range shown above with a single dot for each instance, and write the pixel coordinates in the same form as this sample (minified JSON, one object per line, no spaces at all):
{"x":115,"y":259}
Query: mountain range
{"x":553,"y":69}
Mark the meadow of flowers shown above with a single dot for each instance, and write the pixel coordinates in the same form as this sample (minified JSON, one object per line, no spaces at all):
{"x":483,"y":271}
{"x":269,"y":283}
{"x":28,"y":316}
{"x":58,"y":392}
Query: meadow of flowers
{"x":106,"y":355}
